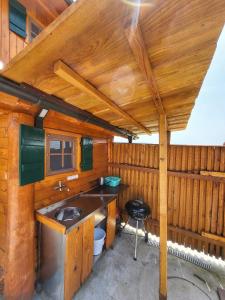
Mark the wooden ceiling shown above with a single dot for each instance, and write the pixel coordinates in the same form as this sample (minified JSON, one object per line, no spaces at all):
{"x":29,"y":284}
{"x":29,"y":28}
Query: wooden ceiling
{"x":124,"y":63}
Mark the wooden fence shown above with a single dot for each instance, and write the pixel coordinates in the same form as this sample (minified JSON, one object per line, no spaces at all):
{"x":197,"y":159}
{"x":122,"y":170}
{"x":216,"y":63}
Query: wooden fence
{"x":196,"y":203}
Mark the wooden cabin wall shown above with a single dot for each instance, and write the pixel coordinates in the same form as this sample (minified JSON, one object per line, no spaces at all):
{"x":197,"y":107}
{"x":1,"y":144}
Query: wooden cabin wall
{"x":196,"y":203}
{"x":44,"y":190}
{"x":42,"y":13}
{"x":17,"y":204}
{"x":3,"y":192}
{"x":10,"y":43}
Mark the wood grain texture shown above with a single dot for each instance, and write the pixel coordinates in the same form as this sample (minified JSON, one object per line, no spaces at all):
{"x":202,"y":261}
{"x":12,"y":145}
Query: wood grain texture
{"x":43,"y":12}
{"x":195,"y":202}
{"x":88,"y":248}
{"x":10,"y":43}
{"x":163,"y":158}
{"x":214,"y":174}
{"x":4,"y":123}
{"x":73,"y":262}
{"x":69,"y":75}
{"x":44,"y":193}
{"x":214,"y":237}
{"x":20,"y":273}
{"x":51,"y":223}
{"x":111,"y":224}
{"x":137,"y":45}
{"x":175,"y":33}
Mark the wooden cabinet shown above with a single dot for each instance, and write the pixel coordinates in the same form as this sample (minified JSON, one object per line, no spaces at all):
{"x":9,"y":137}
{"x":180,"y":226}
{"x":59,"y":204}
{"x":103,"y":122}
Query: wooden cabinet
{"x":73,"y":261}
{"x":78,"y":257}
{"x":111,"y":224}
{"x":88,"y":248}
{"x":69,"y":254}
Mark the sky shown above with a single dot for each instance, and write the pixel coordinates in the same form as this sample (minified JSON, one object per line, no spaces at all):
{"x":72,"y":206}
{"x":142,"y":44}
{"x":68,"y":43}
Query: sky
{"x":207,"y":122}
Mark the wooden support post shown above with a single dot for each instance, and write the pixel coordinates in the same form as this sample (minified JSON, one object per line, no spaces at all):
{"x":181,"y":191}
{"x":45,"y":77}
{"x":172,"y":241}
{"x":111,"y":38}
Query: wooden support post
{"x":163,"y":205}
{"x":168,"y":137}
{"x":20,"y":263}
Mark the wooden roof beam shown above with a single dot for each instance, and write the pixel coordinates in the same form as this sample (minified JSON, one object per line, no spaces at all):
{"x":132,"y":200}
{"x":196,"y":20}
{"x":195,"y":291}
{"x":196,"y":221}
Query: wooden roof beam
{"x":69,"y":75}
{"x":137,"y":45}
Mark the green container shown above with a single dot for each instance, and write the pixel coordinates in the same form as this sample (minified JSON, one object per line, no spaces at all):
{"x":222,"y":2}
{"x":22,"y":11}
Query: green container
{"x":112,"y":181}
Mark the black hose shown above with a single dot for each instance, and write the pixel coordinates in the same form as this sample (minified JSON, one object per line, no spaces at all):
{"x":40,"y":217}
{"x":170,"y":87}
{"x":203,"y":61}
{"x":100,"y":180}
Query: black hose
{"x":189,"y":281}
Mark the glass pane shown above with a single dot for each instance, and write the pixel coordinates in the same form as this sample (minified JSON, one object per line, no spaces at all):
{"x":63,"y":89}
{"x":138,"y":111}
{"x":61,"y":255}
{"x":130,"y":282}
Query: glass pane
{"x":68,"y":146}
{"x":55,"y":146}
{"x":55,"y":162}
{"x":68,"y":162}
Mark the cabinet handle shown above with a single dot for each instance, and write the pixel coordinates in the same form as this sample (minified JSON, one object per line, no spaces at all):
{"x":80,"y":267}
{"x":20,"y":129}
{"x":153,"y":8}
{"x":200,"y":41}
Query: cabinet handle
{"x":75,"y":268}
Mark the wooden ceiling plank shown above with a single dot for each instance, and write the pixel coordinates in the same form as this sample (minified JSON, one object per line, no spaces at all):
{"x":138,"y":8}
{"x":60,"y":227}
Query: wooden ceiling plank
{"x":51,"y":11}
{"x":137,"y":45}
{"x":69,"y":75}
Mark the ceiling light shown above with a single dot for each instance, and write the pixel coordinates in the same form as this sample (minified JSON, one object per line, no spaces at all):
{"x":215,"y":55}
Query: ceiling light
{"x":1,"y":65}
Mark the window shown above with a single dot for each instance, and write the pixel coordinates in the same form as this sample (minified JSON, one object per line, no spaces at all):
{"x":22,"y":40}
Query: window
{"x":33,"y":29}
{"x":86,"y":154}
{"x":17,"y":18}
{"x":60,"y":154}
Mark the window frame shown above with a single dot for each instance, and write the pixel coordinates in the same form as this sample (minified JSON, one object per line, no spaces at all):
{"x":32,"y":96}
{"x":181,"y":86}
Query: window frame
{"x":62,"y":138}
{"x":31,"y":20}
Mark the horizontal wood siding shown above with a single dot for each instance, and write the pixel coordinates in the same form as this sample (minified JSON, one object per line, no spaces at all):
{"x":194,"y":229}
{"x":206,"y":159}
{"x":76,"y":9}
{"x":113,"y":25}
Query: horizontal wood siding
{"x":195,"y":202}
{"x":44,"y":190}
{"x":3,"y":193}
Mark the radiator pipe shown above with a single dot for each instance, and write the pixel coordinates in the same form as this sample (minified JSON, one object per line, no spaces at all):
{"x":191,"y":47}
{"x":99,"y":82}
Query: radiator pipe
{"x":36,"y":96}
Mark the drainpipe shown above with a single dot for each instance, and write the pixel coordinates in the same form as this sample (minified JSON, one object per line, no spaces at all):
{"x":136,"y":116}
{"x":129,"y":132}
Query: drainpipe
{"x":36,"y":96}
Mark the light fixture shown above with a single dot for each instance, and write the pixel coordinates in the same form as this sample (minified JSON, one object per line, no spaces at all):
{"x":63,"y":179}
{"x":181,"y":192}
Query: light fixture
{"x":40,"y":118}
{"x":2,"y":65}
{"x":42,"y":114}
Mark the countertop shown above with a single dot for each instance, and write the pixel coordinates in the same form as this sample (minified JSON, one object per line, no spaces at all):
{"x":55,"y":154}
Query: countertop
{"x":107,"y":190}
{"x":89,"y":202}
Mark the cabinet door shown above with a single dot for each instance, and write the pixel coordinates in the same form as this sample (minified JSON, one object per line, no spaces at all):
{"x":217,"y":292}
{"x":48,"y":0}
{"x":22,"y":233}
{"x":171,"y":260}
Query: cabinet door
{"x":73,"y":261}
{"x":88,"y":247}
{"x":111,"y":224}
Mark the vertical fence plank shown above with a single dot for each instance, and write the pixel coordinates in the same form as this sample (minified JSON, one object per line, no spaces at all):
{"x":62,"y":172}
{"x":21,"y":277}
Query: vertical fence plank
{"x":193,"y":204}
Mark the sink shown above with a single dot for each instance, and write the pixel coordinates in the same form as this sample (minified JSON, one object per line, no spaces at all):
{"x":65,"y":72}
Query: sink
{"x":68,"y":213}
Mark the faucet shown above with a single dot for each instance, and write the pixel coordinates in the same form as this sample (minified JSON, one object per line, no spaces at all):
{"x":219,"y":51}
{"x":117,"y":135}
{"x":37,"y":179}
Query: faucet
{"x":61,"y":187}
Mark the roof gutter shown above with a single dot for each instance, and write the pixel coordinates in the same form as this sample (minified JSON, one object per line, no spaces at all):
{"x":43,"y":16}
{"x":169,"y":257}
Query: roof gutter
{"x":36,"y":96}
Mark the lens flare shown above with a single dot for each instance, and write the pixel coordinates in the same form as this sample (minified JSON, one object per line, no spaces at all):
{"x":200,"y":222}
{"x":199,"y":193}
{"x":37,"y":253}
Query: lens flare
{"x":138,"y":3}
{"x":1,"y":65}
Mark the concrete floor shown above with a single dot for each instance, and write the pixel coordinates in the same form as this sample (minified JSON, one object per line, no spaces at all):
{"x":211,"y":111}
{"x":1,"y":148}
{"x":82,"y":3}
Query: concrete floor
{"x":116,"y":276}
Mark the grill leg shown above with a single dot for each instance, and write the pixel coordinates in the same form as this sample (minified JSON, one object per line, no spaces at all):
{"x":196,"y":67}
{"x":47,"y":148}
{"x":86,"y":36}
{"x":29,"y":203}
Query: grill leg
{"x":136,"y":240}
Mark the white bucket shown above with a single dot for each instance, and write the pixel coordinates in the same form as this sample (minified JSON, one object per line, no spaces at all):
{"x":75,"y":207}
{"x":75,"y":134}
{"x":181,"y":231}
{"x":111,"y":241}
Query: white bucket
{"x":99,"y":238}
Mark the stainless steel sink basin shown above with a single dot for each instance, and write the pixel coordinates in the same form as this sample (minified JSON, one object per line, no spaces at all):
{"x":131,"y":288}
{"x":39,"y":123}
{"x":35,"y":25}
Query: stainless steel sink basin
{"x":68,"y":213}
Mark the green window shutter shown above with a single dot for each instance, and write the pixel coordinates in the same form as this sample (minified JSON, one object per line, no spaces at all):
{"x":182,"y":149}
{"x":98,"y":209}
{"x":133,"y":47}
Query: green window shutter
{"x":17,"y":18}
{"x":32,"y":146}
{"x":86,"y":153}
